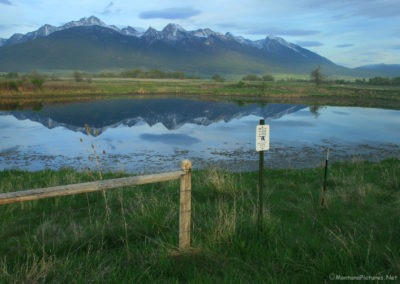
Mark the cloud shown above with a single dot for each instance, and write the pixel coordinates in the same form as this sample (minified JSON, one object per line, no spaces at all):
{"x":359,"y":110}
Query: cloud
{"x":309,"y":43}
{"x":376,"y":8}
{"x":283,"y":32}
{"x":353,"y":8}
{"x":344,"y":45}
{"x":170,"y":13}
{"x":6,"y":2}
{"x":107,"y":9}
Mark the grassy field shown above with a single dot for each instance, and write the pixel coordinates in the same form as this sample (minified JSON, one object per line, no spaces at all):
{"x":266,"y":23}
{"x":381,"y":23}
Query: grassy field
{"x":243,"y":91}
{"x":130,"y":235}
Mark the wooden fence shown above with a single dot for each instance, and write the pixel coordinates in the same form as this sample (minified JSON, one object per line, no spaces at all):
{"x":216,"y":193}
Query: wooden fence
{"x":184,"y":204}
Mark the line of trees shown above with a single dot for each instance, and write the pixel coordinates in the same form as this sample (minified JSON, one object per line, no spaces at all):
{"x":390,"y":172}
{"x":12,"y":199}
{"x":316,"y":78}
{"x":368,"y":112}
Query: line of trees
{"x":380,"y":81}
{"x":318,"y":77}
{"x":254,"y":77}
{"x":138,"y":73}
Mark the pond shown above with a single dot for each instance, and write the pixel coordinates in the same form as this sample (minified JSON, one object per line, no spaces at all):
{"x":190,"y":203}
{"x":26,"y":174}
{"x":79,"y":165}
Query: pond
{"x":153,"y":135}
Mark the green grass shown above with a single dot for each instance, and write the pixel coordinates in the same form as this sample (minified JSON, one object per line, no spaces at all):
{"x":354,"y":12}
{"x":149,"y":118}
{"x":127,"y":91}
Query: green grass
{"x":131,"y":234}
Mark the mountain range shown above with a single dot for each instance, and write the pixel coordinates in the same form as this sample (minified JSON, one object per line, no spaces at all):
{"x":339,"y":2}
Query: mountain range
{"x":91,"y":45}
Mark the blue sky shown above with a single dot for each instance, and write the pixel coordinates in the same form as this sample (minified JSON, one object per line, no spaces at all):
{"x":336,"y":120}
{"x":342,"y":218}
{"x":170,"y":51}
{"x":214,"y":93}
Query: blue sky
{"x":348,"y":32}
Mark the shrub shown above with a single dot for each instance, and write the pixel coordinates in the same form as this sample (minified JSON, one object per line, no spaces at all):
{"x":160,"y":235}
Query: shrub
{"x":217,"y":78}
{"x":251,"y":77}
{"x":268,"y":78}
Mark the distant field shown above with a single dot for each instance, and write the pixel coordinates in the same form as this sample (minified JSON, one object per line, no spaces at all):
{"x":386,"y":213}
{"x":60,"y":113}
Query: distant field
{"x":64,"y":89}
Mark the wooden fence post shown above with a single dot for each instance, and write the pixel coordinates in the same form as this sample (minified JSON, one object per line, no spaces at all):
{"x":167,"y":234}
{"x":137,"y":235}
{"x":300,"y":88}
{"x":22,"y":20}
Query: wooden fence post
{"x":185,"y":205}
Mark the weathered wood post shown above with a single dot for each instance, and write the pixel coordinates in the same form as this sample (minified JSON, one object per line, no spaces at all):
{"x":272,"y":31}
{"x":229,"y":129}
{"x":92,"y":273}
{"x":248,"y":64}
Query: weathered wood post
{"x":185,"y":205}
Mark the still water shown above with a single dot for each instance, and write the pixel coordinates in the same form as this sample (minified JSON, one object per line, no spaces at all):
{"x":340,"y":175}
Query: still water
{"x":146,"y":135}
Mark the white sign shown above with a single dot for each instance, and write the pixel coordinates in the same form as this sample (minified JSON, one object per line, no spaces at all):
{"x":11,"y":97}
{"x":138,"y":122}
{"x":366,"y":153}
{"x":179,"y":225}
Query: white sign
{"x":262,"y":138}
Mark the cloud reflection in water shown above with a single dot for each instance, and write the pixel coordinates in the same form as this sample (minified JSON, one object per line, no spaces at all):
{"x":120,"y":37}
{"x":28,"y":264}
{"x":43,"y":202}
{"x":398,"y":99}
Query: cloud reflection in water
{"x":171,"y":139}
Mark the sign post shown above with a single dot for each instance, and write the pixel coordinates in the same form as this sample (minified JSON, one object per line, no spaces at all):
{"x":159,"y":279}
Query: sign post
{"x":262,"y":144}
{"x":325,"y":178}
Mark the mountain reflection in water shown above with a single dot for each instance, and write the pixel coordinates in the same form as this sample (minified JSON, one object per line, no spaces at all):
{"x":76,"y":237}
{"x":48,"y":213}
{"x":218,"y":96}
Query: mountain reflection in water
{"x":172,"y":113}
{"x":144,"y":135}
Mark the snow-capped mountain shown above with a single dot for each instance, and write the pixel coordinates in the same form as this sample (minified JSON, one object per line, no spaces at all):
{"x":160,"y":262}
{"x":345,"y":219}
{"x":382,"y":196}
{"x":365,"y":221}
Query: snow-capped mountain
{"x":41,"y":32}
{"x":130,"y":31}
{"x":171,"y":32}
{"x":174,"y":32}
{"x":91,"y":21}
{"x":47,"y":30}
{"x":201,"y":51}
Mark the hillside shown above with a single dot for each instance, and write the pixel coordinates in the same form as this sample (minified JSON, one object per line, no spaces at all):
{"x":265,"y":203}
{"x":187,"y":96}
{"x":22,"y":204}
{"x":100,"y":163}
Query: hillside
{"x":385,"y":70}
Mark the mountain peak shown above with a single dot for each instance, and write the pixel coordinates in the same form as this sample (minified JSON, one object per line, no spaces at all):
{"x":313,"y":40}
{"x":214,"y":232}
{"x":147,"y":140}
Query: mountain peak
{"x":93,"y":20}
{"x":152,"y":34}
{"x":130,"y":31}
{"x":90,"y":21}
{"x":275,"y":43}
{"x":203,"y":33}
{"x":173,"y":32}
{"x":46,"y":30}
{"x":171,"y":27}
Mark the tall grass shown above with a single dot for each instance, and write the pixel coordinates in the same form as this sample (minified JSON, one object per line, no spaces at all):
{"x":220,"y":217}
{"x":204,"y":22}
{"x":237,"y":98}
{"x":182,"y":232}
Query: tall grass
{"x":71,"y":239}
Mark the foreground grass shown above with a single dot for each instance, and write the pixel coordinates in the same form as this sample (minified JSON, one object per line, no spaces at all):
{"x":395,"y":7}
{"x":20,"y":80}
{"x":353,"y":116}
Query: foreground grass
{"x":277,"y":92}
{"x":130,"y":235}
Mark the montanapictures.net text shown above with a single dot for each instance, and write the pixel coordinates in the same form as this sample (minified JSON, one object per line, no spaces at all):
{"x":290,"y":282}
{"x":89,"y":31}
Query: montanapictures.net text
{"x":363,"y":277}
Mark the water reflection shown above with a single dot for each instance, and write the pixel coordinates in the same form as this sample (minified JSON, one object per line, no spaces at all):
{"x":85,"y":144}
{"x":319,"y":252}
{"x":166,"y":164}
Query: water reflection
{"x":172,"y":113}
{"x":154,"y":135}
{"x":171,"y":139}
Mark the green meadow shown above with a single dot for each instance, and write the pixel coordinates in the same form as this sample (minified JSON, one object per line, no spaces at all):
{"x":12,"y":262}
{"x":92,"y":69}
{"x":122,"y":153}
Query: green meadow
{"x":130,"y":235}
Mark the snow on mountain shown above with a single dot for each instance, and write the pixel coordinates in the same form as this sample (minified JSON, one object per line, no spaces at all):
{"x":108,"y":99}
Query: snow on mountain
{"x":152,"y":35}
{"x":244,"y":41}
{"x":171,"y":33}
{"x":174,"y":32}
{"x":203,"y":33}
{"x":91,"y":21}
{"x":41,"y":32}
{"x":46,"y":30}
{"x":272,"y":43}
{"x":129,"y":31}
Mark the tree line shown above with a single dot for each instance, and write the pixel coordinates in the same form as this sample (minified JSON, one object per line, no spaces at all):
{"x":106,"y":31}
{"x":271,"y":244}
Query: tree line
{"x":318,"y":77}
{"x":138,"y":73}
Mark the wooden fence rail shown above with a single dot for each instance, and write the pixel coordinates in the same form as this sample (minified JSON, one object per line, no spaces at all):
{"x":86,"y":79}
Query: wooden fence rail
{"x":184,"y":204}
